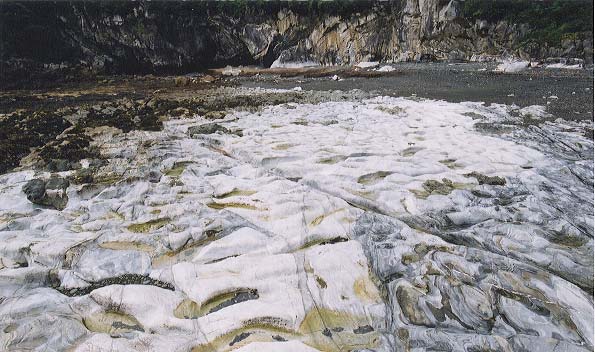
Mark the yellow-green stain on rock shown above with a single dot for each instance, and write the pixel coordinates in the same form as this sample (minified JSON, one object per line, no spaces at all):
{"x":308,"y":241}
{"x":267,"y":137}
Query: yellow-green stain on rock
{"x":149,"y":226}
{"x":178,"y":168}
{"x":235,"y":192}
{"x":218,"y":206}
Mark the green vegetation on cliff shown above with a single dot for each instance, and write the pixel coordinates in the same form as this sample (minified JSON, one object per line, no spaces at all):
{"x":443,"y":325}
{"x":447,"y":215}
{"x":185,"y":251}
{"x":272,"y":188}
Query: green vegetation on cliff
{"x":550,"y":22}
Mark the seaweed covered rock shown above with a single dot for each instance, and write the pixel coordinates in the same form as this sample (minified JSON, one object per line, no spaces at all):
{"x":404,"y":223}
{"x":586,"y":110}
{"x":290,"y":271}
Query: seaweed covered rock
{"x":65,"y":151}
{"x":21,"y":131}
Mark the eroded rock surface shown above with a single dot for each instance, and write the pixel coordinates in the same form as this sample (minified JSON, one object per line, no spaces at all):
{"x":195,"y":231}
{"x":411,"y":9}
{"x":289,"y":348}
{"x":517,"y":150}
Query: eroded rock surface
{"x":358,"y":224}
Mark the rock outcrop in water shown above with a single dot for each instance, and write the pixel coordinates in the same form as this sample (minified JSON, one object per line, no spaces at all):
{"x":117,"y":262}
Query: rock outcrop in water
{"x":163,"y":36}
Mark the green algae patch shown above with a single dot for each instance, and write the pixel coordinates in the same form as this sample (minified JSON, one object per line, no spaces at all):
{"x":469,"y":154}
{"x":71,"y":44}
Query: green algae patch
{"x":234,"y":193}
{"x":346,"y":329}
{"x":112,"y":323}
{"x":218,"y":302}
{"x":320,"y":282}
{"x":283,"y":146}
{"x":450,"y":163}
{"x":408,"y":152}
{"x":123,"y":245}
{"x":262,"y":330}
{"x":373,"y":177}
{"x":317,"y":220}
{"x":177,"y":169}
{"x":148,"y":226}
{"x":370,"y":195}
{"x":433,"y":187}
{"x":107,"y":179}
{"x":187,"y":309}
{"x":408,"y":298}
{"x":568,"y":240}
{"x":351,"y":332}
{"x":394,"y":110}
{"x":322,"y":241}
{"x":332,"y":160}
{"x":184,"y":252}
{"x":365,"y":290}
{"x":115,"y":215}
{"x":321,"y":218}
{"x":487,"y":180}
{"x":409,"y":258}
{"x":219,"y":206}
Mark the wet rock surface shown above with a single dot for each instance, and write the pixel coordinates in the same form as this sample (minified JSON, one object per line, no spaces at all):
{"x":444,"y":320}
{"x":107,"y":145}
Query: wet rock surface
{"x":337,"y":220}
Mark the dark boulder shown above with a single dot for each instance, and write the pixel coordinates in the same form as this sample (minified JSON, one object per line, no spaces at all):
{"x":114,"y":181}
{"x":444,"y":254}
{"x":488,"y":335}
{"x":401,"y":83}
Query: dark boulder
{"x":51,"y":193}
{"x":35,"y":191}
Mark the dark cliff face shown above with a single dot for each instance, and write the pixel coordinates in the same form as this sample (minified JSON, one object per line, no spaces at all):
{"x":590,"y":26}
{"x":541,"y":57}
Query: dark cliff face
{"x":117,"y":36}
{"x":141,"y":37}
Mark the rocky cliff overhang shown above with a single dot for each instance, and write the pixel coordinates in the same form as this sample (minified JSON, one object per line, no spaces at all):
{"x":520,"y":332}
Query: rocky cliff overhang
{"x":164,"y":36}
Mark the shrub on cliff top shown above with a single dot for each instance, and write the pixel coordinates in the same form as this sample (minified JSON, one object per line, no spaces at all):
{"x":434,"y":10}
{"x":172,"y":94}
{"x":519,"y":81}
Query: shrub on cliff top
{"x":550,"y":21}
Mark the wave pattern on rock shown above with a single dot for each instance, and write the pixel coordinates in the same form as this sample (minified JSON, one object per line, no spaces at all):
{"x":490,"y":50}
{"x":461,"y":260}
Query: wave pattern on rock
{"x":386,"y":224}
